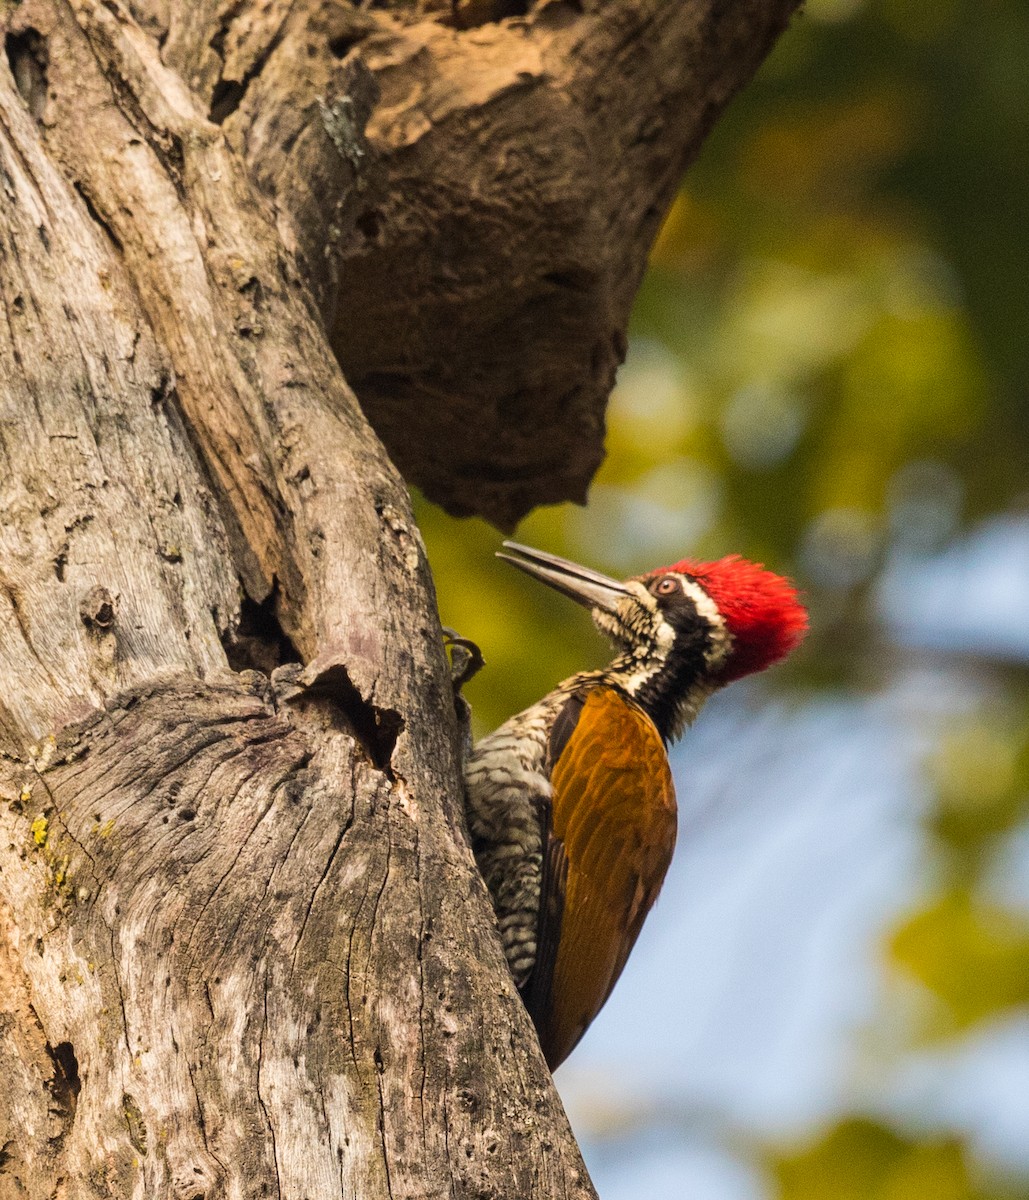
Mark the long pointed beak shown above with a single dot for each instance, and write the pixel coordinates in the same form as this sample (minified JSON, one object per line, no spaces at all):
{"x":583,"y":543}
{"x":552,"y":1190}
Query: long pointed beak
{"x":585,"y":587}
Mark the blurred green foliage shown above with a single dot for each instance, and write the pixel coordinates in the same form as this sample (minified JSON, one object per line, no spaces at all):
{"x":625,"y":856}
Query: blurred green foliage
{"x":981,"y":773}
{"x":972,"y":955}
{"x":827,"y":369}
{"x":862,"y":1160}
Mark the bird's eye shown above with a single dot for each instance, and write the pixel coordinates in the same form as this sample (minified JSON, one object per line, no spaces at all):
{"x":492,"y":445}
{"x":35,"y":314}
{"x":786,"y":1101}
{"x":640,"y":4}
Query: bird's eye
{"x":666,"y":585}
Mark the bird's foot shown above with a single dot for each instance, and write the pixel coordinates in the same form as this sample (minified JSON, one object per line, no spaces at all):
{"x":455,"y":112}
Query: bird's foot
{"x":465,"y":661}
{"x":466,"y":658}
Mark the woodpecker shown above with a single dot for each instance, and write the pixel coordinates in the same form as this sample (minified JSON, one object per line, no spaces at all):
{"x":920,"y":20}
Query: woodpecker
{"x":571,"y":807}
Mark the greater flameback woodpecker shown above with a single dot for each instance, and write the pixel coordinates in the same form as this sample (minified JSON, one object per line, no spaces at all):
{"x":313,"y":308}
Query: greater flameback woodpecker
{"x":571,"y":806}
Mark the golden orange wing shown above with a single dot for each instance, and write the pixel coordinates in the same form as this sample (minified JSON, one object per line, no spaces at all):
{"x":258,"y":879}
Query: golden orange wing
{"x":613,"y":811}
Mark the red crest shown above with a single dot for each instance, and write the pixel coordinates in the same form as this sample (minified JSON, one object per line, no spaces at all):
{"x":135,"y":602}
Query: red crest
{"x":760,"y":609}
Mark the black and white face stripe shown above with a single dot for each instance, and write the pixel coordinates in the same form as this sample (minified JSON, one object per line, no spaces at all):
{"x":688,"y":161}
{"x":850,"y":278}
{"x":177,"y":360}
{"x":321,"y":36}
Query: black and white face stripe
{"x":673,"y":639}
{"x":681,"y":599}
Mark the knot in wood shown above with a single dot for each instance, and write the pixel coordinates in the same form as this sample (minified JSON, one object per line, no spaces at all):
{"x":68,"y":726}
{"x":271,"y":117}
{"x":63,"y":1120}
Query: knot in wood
{"x":97,"y":608}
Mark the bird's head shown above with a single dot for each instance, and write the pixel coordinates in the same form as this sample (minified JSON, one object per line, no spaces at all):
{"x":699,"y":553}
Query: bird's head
{"x":684,"y":630}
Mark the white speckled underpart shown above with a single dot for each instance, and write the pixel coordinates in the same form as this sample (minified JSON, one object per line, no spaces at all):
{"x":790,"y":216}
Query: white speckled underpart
{"x":506,"y":781}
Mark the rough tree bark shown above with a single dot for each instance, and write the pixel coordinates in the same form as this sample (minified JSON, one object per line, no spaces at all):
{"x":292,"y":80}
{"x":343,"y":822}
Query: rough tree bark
{"x":243,"y":948}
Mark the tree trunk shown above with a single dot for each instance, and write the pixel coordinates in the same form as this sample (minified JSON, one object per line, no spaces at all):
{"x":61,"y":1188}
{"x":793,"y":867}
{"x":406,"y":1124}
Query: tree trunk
{"x":243,"y":947}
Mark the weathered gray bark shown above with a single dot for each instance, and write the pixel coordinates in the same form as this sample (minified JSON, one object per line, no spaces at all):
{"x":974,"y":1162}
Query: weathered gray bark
{"x":243,"y":948}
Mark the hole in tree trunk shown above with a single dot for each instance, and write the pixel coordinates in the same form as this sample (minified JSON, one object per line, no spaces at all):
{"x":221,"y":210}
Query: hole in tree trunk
{"x":65,"y":1085}
{"x":29,"y":60}
{"x":259,"y":643}
{"x":227,"y":96}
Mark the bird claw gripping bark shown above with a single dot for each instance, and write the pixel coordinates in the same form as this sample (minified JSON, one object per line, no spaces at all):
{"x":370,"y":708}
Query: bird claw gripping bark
{"x":465,"y":661}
